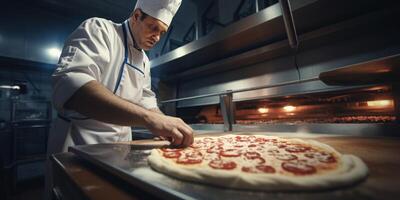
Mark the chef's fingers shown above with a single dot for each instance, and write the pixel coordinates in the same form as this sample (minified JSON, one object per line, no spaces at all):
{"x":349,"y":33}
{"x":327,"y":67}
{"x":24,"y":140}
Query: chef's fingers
{"x":186,"y":125}
{"x":164,"y":138}
{"x":191,"y":139}
{"x":187,"y":133}
{"x":158,"y":138}
{"x":187,"y":136}
{"x":177,"y":137}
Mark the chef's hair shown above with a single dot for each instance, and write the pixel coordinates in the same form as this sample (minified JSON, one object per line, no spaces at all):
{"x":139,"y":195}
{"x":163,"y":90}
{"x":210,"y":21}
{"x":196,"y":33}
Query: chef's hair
{"x":142,"y":17}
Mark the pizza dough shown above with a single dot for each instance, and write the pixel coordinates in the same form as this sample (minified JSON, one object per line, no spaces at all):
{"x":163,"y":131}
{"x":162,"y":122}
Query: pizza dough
{"x":258,"y":162}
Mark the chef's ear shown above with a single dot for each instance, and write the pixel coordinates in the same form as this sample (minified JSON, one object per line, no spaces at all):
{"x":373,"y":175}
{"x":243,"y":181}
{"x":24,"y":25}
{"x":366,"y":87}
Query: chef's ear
{"x":136,"y":14}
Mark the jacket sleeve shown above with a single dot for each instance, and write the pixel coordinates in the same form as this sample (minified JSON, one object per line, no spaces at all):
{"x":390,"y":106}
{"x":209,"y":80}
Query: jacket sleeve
{"x":148,"y":99}
{"x":84,"y":56}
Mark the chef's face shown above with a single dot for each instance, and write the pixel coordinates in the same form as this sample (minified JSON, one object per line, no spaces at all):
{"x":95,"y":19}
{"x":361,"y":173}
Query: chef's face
{"x":146,"y":30}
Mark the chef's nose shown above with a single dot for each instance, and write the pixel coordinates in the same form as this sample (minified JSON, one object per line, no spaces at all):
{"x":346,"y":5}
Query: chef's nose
{"x":156,"y":37}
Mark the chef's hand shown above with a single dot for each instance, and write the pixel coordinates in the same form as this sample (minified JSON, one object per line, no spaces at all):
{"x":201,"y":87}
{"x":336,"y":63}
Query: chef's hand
{"x":180,"y":134}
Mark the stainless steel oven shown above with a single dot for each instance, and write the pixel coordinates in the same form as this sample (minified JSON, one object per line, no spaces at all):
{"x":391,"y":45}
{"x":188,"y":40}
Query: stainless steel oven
{"x":342,"y":78}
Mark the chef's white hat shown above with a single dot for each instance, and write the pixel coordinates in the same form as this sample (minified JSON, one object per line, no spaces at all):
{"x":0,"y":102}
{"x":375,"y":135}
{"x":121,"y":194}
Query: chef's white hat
{"x":164,"y":10}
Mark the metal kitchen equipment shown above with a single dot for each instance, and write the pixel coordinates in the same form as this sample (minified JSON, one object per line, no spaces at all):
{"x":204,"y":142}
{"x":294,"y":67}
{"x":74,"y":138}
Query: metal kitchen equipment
{"x":344,"y":66}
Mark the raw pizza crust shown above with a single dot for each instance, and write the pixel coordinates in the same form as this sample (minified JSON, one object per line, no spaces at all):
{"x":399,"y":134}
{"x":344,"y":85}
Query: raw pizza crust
{"x":350,"y":170}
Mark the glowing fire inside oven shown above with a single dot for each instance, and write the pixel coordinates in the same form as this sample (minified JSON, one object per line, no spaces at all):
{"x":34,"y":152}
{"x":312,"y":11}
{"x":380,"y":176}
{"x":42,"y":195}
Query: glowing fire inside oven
{"x":289,"y":108}
{"x":263,"y":110}
{"x":380,"y":103}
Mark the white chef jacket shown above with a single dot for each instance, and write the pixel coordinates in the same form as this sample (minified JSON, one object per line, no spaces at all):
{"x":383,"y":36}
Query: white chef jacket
{"x":104,"y":51}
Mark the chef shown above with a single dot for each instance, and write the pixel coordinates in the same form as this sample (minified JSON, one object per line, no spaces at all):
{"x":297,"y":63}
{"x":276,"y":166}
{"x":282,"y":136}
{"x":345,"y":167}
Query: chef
{"x":102,"y":84}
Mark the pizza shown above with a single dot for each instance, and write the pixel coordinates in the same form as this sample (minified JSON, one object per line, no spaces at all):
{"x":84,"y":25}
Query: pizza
{"x":259,"y":162}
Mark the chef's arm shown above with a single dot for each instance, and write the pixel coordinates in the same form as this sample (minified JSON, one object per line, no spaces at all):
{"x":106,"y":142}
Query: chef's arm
{"x":97,"y":102}
{"x":156,"y":110}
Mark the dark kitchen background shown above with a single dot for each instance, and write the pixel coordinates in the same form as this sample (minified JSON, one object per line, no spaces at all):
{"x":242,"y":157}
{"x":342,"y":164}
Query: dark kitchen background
{"x":223,"y":65}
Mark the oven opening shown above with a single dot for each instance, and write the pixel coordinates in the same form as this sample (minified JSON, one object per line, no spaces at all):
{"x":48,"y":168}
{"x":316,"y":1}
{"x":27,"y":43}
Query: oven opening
{"x":367,"y":105}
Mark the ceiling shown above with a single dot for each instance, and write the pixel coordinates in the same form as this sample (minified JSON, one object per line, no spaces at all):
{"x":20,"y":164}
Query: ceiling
{"x":75,"y":8}
{"x":110,"y":9}
{"x":28,"y":26}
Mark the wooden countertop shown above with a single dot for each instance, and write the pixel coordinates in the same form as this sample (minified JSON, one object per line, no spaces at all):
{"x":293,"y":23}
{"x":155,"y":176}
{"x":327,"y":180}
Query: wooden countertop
{"x":382,"y":156}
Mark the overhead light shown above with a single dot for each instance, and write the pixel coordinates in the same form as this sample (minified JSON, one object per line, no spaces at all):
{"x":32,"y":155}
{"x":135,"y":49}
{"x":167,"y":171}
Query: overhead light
{"x":10,"y":87}
{"x":289,"y":108}
{"x":262,"y":110}
{"x":380,"y":103}
{"x":54,"y":52}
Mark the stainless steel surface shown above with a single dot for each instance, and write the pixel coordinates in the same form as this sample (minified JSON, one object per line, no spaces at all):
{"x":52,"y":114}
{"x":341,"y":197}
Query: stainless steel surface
{"x":328,"y":34}
{"x":364,"y":38}
{"x":289,"y":23}
{"x":350,"y":129}
{"x":242,"y":90}
{"x":129,"y":163}
{"x":219,"y":43}
{"x":258,"y":30}
{"x":227,"y":111}
{"x":381,"y":70}
{"x":251,"y":88}
{"x":311,"y":62}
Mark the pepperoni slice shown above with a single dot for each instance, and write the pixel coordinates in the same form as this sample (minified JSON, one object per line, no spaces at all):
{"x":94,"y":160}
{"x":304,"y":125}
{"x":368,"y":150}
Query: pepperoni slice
{"x":297,"y":149}
{"x":280,"y":145}
{"x":321,"y":156}
{"x":261,"y":140}
{"x":241,"y":139}
{"x":230,"y":153}
{"x":170,"y":150}
{"x":260,"y":160}
{"x":266,"y":168}
{"x":221,"y":164}
{"x":172,"y":154}
{"x":249,"y":169}
{"x":298,"y":168}
{"x":252,"y":155}
{"x":285,"y":157}
{"x":259,"y":168}
{"x":192,"y":157}
{"x":273,"y":140}
{"x":189,"y":161}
